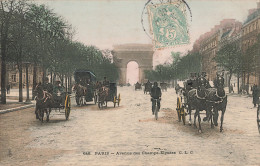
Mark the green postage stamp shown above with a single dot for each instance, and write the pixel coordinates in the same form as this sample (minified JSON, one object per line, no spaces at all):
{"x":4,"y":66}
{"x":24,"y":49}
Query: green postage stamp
{"x":168,"y":24}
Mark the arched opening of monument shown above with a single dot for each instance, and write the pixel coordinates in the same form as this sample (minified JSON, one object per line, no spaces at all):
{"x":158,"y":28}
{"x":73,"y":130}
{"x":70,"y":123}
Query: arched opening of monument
{"x":132,"y":72}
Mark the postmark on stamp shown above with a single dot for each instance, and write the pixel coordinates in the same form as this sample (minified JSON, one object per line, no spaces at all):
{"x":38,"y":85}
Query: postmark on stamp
{"x":168,"y":24}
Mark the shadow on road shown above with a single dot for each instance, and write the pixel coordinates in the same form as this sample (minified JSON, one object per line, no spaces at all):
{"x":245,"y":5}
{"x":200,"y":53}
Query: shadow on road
{"x":170,"y":117}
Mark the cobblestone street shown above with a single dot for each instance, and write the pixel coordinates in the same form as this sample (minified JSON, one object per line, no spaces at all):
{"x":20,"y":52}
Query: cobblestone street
{"x":129,"y":135}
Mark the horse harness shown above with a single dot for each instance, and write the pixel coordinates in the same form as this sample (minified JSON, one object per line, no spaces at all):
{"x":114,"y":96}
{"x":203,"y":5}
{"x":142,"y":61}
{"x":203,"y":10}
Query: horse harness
{"x":219,"y":97}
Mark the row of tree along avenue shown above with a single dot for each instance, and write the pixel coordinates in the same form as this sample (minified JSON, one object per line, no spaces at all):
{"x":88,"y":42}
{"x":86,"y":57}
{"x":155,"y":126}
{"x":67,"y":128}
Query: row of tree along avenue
{"x":238,"y":62}
{"x":230,"y":57}
{"x":33,"y":33}
{"x":180,"y":67}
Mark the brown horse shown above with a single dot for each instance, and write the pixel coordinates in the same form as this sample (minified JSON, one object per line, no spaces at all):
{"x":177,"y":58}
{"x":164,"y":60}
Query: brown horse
{"x":102,"y":96}
{"x":81,"y":92}
{"x":44,"y":103}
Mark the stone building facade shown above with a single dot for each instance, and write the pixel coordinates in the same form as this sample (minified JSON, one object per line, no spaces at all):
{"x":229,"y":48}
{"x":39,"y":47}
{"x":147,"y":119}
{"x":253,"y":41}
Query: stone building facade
{"x":211,"y":42}
{"x":250,"y":31}
{"x":12,"y":74}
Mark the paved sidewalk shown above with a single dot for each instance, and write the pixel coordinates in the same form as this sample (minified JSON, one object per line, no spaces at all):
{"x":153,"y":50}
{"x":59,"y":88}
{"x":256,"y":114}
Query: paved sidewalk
{"x":14,"y":93}
{"x":17,"y":108}
{"x":22,"y":105}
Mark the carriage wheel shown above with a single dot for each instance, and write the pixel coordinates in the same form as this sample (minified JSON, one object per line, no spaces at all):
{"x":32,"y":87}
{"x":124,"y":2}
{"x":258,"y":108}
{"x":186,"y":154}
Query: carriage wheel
{"x":258,"y":118}
{"x":99,"y":104}
{"x":67,"y":107}
{"x":119,"y":99}
{"x":183,"y":115}
{"x":179,"y":108}
{"x":95,"y":99}
{"x":114,"y":101}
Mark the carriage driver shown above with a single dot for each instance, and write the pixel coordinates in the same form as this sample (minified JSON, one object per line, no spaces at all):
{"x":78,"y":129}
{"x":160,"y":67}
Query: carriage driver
{"x":205,"y":81}
{"x":105,"y":82}
{"x":47,"y":86}
{"x":156,"y":93}
{"x":191,"y":83}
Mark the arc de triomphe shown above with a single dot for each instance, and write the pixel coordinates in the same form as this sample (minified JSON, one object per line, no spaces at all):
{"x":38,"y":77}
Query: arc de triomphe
{"x":142,"y":54}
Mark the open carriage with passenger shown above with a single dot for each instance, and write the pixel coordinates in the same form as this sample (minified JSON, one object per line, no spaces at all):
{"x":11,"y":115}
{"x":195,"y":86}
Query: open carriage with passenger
{"x":147,"y":87}
{"x":108,"y":93}
{"x":182,"y":97}
{"x":51,"y":98}
{"x":84,"y":87}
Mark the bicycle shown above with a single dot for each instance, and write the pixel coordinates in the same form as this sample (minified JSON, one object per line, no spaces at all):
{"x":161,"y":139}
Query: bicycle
{"x":156,"y":108}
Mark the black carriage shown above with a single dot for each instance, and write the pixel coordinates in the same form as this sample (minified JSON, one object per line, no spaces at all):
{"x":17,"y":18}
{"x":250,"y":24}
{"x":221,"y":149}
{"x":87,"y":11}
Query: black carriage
{"x":147,"y":87}
{"x":87,"y":80}
{"x":46,"y":102}
{"x":138,"y":86}
{"x":111,"y":95}
{"x":163,"y":86}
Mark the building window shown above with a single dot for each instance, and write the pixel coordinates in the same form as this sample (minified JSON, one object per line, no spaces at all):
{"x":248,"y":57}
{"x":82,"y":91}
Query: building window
{"x":13,"y":78}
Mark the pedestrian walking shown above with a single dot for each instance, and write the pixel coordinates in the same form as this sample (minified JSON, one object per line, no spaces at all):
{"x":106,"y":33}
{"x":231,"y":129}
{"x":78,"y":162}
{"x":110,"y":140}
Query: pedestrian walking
{"x":8,"y":88}
{"x":255,"y":92}
{"x":231,"y":89}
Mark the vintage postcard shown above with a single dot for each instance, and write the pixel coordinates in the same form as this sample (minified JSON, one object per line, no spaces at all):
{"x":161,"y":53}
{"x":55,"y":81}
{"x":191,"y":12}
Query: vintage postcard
{"x":129,"y":82}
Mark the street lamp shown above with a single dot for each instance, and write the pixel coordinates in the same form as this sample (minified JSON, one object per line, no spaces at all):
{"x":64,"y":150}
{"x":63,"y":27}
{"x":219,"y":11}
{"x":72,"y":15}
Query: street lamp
{"x":27,"y":82}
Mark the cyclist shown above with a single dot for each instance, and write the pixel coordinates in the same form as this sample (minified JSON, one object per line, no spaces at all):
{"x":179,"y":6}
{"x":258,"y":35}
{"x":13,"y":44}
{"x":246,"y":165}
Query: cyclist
{"x":156,"y":93}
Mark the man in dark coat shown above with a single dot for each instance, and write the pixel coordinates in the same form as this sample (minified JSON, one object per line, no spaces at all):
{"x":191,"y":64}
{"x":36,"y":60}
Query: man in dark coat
{"x":204,"y":80}
{"x":8,"y":88}
{"x":189,"y":84}
{"x":47,"y":86}
{"x":105,"y":82}
{"x":255,"y":93}
{"x":156,"y":93}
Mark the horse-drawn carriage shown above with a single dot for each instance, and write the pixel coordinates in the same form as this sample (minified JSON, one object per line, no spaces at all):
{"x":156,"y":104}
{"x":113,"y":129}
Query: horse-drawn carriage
{"x":46,"y":102}
{"x":163,"y":86}
{"x":84,"y":87}
{"x":182,"y":98}
{"x":138,"y":86}
{"x":108,"y":93}
{"x":199,"y":96}
{"x":147,"y":87}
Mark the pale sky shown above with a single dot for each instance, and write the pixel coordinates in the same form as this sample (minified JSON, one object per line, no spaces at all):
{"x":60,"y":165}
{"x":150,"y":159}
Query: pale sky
{"x":105,"y":23}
